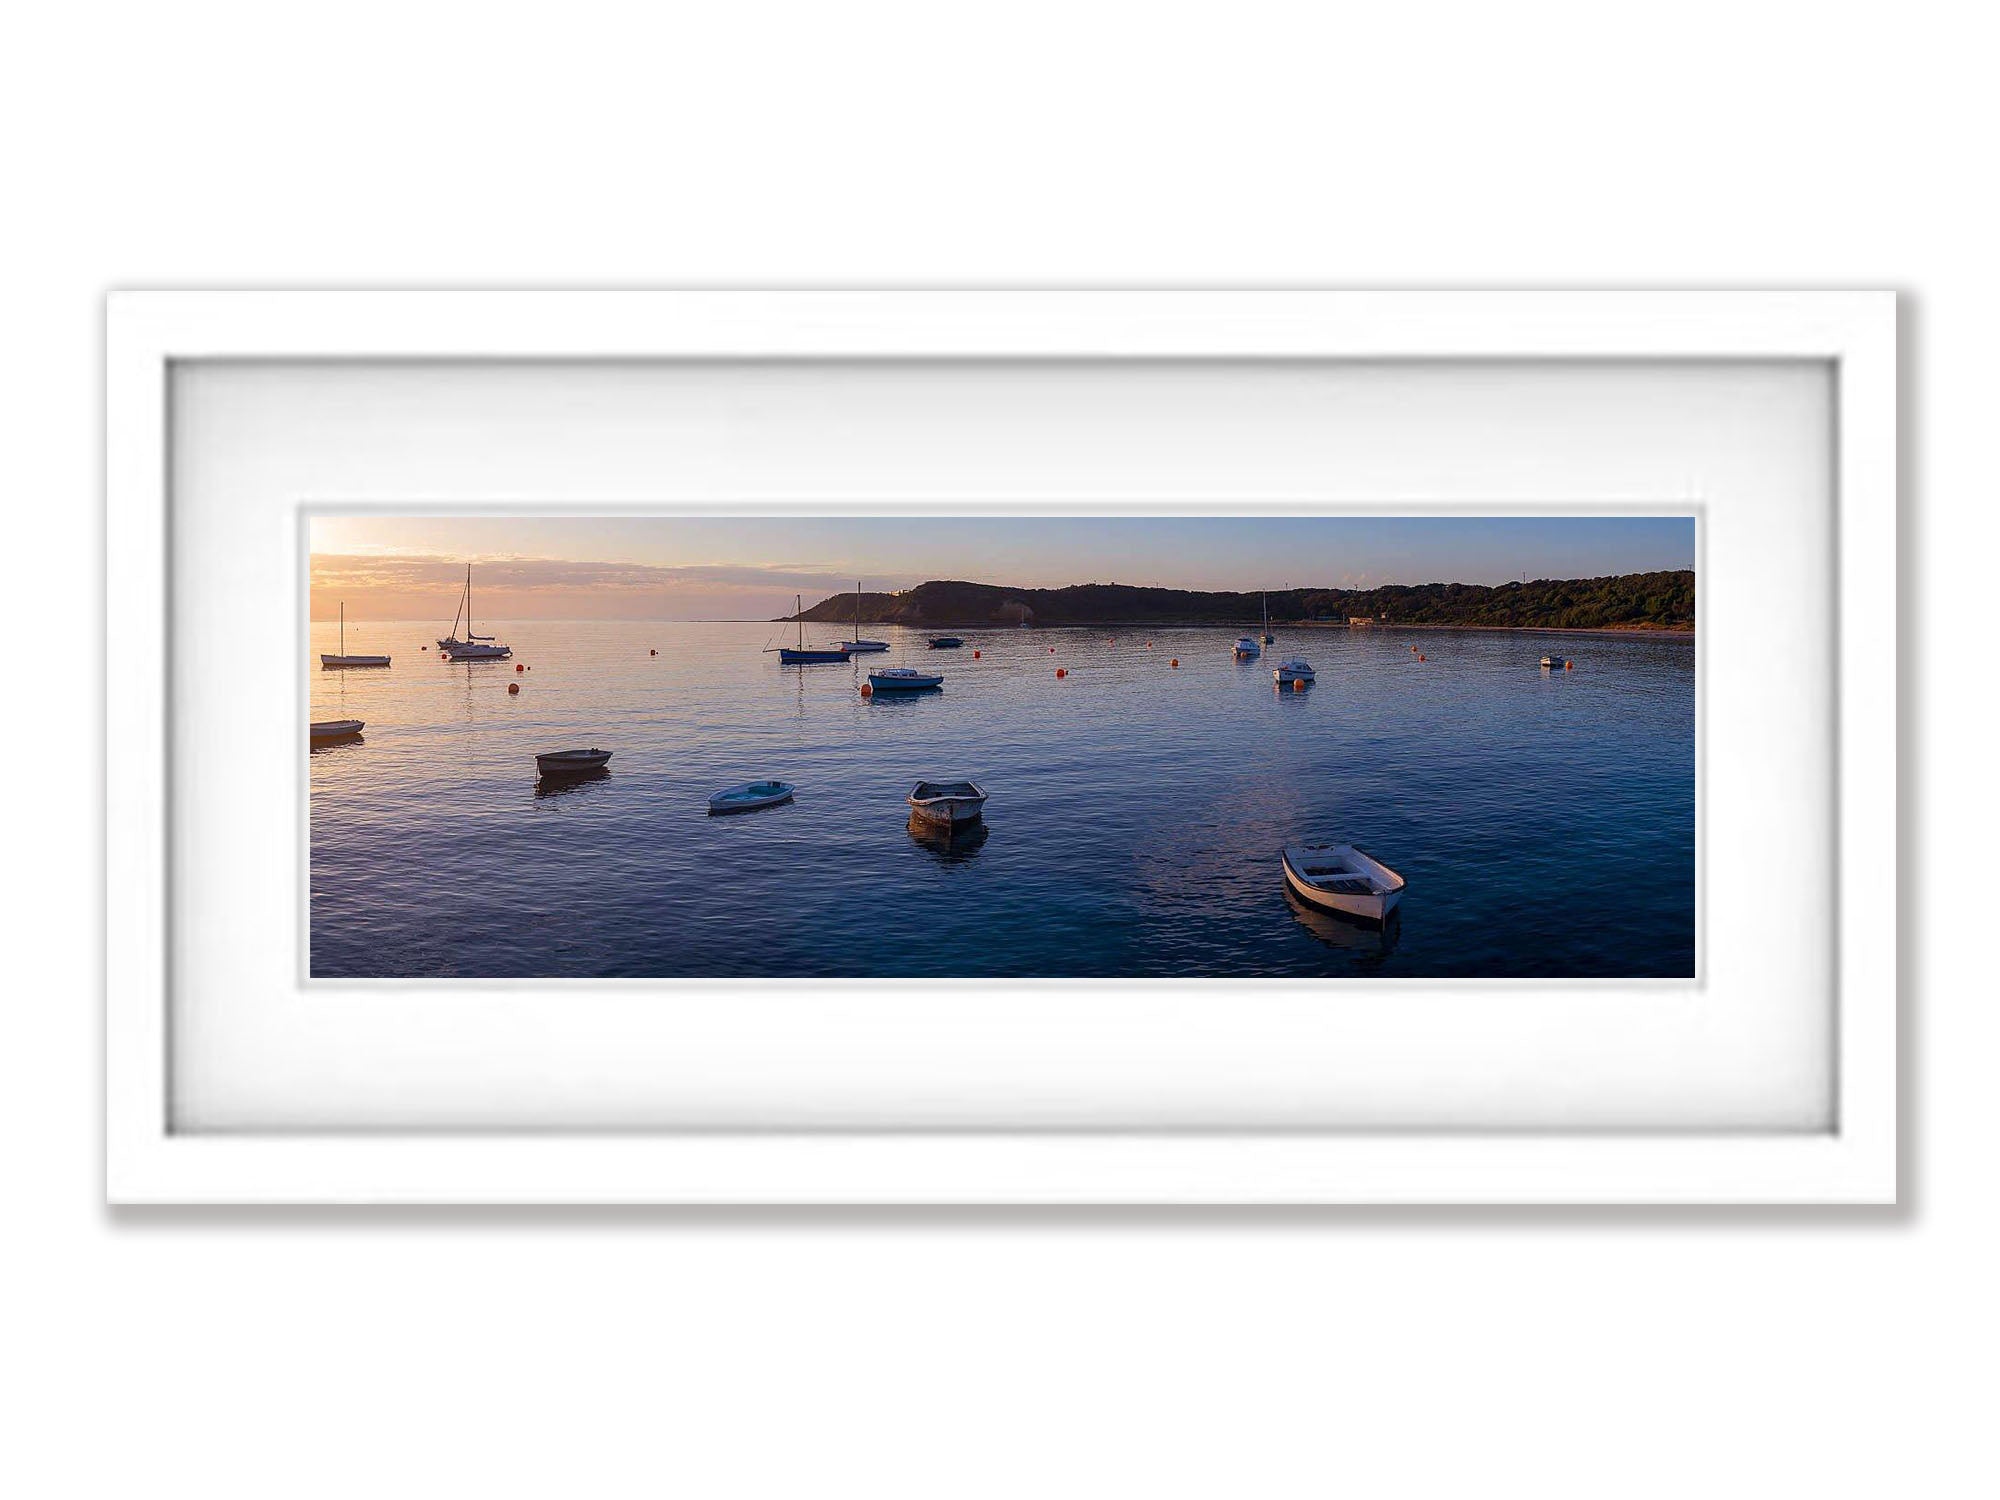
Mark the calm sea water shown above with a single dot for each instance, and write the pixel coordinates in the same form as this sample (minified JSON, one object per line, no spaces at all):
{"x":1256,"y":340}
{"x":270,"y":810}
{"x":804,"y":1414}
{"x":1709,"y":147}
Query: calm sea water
{"x":1545,"y":822}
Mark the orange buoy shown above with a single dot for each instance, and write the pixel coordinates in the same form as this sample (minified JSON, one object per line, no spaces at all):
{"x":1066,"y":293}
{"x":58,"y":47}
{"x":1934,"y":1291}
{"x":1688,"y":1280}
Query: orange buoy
{"x":1052,"y":651}
{"x":1175,"y":662}
{"x":652,"y":653}
{"x":975,"y":656}
{"x":519,"y":668}
{"x":1422,"y":657}
{"x":1298,"y":684}
{"x":1062,"y":671}
{"x":513,"y":687}
{"x":867,"y":689}
{"x":1567,"y":664}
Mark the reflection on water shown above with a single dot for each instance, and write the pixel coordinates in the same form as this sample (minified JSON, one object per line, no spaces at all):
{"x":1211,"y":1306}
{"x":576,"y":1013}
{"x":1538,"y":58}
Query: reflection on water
{"x":1353,"y":934}
{"x":329,"y":743}
{"x":949,"y":844}
{"x":1142,"y":806}
{"x":561,"y":783}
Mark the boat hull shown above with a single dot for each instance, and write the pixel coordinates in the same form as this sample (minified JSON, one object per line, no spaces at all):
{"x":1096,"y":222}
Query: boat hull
{"x":791,"y":658}
{"x":478,"y":653}
{"x":947,"y":805}
{"x":884,"y":683}
{"x":352,"y":661}
{"x":747,"y":798}
{"x":857,"y":648}
{"x":571,"y":763}
{"x":1372,"y":905}
{"x":335,"y":729}
{"x":945,"y":643}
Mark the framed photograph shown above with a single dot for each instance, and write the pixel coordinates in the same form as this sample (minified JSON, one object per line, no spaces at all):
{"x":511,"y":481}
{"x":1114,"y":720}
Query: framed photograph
{"x":1002,"y":747}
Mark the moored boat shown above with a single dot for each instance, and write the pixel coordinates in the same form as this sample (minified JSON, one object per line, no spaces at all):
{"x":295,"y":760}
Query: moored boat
{"x":749,"y":796}
{"x":1340,"y":878}
{"x":474,"y":647}
{"x":335,"y":729}
{"x":858,"y":646}
{"x":1246,"y":648}
{"x":1268,"y":638}
{"x":342,"y":659}
{"x":789,"y":656}
{"x":571,"y":762}
{"x":1294,"y":670}
{"x":946,"y":642}
{"x":947,"y":804}
{"x":904,"y":680}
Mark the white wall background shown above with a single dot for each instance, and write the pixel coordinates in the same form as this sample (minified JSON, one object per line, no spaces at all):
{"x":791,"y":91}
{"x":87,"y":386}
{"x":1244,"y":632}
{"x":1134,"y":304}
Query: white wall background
{"x":986,"y":1354}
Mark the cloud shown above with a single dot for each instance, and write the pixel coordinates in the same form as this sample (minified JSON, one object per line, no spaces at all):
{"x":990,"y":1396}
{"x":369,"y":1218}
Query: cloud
{"x":502,"y":574}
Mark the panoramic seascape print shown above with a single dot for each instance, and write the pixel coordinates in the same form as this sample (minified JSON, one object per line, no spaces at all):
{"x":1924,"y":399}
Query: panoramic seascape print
{"x":1001,"y":747}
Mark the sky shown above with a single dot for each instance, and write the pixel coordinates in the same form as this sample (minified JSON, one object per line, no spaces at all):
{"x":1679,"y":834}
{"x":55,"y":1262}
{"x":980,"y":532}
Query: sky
{"x":750,"y":567}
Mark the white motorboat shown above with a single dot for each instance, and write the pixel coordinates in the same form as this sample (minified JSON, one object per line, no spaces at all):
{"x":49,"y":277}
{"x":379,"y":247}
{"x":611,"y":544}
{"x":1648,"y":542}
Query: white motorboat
{"x":335,"y":729}
{"x":858,"y":645}
{"x":947,"y":804}
{"x":904,"y":680}
{"x":343,"y":659}
{"x":1247,"y":648}
{"x":1295,"y":670}
{"x":572,"y":762}
{"x":1339,"y":877}
{"x":750,"y":795}
{"x":473,"y":647}
{"x":1554,"y":663}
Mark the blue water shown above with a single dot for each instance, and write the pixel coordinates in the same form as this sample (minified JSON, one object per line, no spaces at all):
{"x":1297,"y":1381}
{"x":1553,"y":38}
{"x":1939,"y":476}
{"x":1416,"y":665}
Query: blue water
{"x":1545,"y":822}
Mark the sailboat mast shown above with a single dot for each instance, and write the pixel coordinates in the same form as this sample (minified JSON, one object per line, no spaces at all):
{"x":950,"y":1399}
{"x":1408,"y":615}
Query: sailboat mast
{"x":799,"y":609}
{"x":343,"y":627}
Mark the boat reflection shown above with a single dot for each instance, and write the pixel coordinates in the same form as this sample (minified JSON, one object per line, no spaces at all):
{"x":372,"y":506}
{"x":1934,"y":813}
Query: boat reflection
{"x":947,"y":844}
{"x":1348,"y":933}
{"x":323,"y":744}
{"x":563,"y":783}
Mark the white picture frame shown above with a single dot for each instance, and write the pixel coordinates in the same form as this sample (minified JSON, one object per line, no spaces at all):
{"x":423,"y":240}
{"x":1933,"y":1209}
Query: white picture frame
{"x":1849,"y":1158}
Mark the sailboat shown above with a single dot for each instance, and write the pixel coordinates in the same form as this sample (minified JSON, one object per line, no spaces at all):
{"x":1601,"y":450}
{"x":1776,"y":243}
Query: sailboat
{"x":343,"y":659}
{"x":473,"y":647}
{"x":857,"y":644}
{"x":1268,"y":637}
{"x":789,"y":657}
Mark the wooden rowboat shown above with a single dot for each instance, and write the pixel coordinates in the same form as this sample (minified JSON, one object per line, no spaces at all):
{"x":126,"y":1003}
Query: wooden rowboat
{"x":571,"y":762}
{"x":1340,"y":878}
{"x":947,"y":804}
{"x":335,"y":729}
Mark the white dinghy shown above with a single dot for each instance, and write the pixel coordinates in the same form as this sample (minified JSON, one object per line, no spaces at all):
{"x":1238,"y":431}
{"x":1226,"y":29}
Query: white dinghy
{"x":947,"y":804}
{"x":335,"y":729}
{"x":749,"y":796}
{"x":1339,"y":877}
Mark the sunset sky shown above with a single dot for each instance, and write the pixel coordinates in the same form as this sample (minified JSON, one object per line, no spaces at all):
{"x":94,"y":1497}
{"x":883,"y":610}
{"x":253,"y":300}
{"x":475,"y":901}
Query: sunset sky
{"x":712,"y":568}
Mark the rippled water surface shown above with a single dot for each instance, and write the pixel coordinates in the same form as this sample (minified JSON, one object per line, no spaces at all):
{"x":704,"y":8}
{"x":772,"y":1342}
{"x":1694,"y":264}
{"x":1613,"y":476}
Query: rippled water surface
{"x":1545,"y":821}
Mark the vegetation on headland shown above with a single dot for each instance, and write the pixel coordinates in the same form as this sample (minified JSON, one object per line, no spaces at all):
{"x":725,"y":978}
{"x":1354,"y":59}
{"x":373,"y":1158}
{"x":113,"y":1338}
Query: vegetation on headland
{"x":1630,"y":601}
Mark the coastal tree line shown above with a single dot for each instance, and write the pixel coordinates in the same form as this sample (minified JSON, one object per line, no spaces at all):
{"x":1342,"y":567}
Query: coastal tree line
{"x":1632,"y":601}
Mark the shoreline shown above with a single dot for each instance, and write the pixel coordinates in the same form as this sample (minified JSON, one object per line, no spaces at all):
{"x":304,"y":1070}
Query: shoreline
{"x":1655,"y":632}
{"x":989,"y":628}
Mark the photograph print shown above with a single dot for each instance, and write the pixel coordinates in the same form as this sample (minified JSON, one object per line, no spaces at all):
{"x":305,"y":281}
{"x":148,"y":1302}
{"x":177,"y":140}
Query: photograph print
{"x":1017,"y":747}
